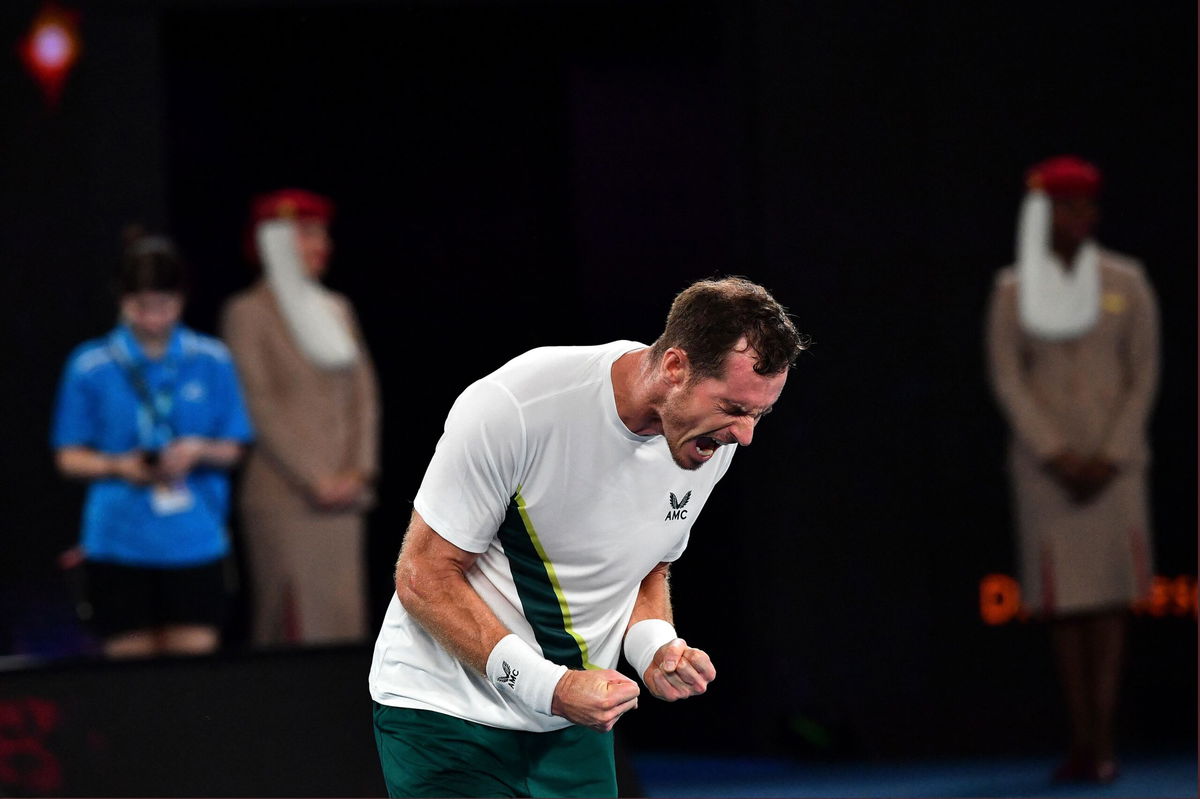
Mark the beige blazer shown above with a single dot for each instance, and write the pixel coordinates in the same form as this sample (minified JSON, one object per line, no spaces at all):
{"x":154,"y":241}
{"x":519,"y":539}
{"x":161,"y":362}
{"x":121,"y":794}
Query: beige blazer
{"x":307,"y":565}
{"x":1092,"y":395}
{"x":308,"y":422}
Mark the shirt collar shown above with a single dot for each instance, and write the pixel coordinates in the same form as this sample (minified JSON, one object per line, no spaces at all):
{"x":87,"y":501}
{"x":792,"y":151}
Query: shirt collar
{"x":129,"y":346}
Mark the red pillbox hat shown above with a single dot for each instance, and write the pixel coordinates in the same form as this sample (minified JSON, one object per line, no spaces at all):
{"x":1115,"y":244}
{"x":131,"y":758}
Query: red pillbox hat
{"x":1064,"y":175}
{"x":291,"y":204}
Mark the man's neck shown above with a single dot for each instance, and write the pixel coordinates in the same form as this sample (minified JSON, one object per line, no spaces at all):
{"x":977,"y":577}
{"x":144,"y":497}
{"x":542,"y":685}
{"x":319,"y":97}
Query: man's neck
{"x":634,"y":393}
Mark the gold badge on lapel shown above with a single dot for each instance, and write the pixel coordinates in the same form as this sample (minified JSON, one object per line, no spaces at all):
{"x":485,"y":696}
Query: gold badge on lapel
{"x":1113,"y":302}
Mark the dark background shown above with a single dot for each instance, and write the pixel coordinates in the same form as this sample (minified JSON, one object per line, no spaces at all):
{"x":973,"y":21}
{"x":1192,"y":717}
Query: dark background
{"x":510,"y":174}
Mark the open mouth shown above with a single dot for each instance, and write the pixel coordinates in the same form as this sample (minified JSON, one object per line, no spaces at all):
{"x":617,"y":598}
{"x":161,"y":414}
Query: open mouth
{"x":706,"y":446}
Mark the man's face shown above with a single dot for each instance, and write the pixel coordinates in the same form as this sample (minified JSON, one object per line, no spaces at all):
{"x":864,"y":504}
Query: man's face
{"x":314,"y":246}
{"x":701,"y":416}
{"x":152,"y":314}
{"x":1074,"y":220}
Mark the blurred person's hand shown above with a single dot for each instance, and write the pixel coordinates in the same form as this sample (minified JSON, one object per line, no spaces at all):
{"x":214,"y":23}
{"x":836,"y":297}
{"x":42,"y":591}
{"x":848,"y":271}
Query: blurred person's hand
{"x":70,"y":558}
{"x":1065,"y":465}
{"x":1067,"y":468}
{"x":179,"y":458}
{"x":1083,"y":478}
{"x":1094,"y":477}
{"x":132,"y":468}
{"x":341,"y":491}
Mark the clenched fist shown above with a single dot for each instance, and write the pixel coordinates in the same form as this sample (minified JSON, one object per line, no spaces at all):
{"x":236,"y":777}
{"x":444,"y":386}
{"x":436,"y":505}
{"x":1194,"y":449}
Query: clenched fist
{"x":594,"y":698}
{"x":679,"y":671}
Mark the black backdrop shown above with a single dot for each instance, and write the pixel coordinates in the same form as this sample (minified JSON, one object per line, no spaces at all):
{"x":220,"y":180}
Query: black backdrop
{"x":510,"y":174}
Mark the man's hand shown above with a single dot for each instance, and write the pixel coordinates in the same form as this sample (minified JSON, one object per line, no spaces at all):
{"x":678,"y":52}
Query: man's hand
{"x":679,"y":671}
{"x":594,"y":698}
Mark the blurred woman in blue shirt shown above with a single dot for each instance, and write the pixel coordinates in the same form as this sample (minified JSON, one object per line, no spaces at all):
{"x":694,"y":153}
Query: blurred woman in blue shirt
{"x":152,"y":416}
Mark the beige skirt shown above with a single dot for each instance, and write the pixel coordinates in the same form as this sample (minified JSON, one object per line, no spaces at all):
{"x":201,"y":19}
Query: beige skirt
{"x":1080,"y":558}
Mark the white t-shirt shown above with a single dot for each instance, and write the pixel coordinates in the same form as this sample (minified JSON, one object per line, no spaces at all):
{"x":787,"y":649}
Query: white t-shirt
{"x":569,"y":511}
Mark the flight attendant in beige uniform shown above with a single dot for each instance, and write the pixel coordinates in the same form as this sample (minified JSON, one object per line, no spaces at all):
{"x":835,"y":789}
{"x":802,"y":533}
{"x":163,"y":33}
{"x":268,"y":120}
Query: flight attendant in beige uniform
{"x":1072,"y":343}
{"x":313,"y":397}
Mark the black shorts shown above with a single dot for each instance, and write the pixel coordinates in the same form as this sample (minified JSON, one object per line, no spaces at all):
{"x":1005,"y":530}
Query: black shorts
{"x":124,"y":598}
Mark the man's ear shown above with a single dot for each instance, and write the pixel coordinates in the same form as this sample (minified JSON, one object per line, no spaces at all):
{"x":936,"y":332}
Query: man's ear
{"x":675,"y":367}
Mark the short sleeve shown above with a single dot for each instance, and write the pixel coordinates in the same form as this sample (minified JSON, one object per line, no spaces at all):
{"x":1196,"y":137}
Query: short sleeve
{"x":232,"y":418}
{"x":75,"y":422}
{"x":476,"y":467}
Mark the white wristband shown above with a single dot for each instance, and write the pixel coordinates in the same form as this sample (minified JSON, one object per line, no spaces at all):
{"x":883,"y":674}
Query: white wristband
{"x":516,"y":670}
{"x":643,"y":640}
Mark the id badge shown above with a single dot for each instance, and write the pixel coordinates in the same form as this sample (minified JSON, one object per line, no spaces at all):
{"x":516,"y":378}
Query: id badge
{"x":169,"y":500}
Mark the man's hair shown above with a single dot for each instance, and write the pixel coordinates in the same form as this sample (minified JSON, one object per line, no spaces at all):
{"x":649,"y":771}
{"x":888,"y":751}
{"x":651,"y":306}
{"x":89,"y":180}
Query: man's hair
{"x":710,"y":317}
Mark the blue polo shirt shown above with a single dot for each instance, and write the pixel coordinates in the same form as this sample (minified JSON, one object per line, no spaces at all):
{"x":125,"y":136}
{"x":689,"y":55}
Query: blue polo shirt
{"x":114,"y":399}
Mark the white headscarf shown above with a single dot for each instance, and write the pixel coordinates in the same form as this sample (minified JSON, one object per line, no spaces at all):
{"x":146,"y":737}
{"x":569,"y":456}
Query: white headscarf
{"x":312,"y":315}
{"x":1054,"y":303}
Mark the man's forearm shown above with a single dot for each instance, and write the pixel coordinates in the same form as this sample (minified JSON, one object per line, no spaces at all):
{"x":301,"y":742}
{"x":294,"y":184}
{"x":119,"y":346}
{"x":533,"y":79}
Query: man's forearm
{"x":448,"y":608}
{"x":432,"y":585}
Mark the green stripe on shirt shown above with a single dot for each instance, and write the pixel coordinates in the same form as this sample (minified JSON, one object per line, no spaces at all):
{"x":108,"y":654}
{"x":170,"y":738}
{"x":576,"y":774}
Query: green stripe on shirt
{"x":542,"y":599}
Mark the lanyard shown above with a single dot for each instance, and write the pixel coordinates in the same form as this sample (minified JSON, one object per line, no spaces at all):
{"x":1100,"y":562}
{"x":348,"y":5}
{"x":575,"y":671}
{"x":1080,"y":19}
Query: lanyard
{"x":154,"y":407}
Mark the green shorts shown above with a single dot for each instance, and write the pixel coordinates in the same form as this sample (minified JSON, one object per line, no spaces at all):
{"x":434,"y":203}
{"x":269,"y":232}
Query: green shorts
{"x":431,"y":754}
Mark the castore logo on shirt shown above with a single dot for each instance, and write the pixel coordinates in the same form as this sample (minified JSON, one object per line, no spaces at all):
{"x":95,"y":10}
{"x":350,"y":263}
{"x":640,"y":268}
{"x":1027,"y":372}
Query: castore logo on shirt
{"x":677,"y":510}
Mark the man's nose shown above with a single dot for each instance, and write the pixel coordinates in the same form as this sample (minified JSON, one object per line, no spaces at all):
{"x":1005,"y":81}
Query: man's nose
{"x":743,"y":430}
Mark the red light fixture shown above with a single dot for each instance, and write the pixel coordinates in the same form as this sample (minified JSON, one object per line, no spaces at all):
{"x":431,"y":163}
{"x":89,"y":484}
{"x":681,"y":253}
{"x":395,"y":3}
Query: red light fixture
{"x":51,"y":48}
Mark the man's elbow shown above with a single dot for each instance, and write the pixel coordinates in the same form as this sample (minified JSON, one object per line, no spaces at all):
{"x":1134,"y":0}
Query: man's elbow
{"x":408,"y":587}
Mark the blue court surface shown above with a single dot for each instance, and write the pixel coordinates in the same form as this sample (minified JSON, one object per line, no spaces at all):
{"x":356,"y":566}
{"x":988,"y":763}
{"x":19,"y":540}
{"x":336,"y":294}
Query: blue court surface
{"x":1170,"y":774}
